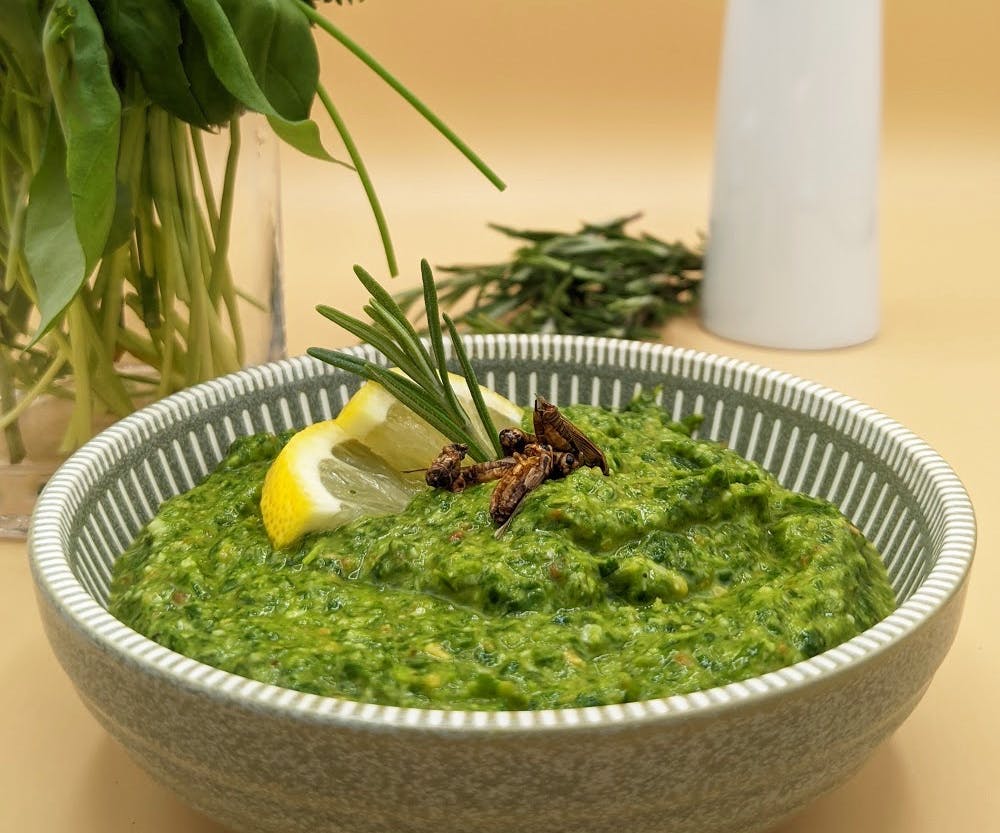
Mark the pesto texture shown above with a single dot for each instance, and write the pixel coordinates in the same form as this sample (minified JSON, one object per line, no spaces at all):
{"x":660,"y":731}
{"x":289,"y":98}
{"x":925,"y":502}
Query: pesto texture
{"x":688,"y":567}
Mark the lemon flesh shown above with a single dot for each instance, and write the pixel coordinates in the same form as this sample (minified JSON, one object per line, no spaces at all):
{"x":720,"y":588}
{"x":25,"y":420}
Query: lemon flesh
{"x":374,"y":417}
{"x":323,"y":478}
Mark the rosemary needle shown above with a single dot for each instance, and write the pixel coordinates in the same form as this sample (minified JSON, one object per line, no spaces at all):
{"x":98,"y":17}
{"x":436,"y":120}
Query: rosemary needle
{"x":423,"y":384}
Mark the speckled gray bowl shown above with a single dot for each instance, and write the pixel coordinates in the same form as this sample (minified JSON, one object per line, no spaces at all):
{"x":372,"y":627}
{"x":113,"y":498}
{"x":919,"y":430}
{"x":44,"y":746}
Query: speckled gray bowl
{"x":736,"y":758}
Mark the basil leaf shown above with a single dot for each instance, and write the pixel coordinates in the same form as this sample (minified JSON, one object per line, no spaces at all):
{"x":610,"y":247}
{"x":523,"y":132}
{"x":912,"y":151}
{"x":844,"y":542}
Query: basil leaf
{"x":277,"y":41}
{"x":51,"y":246}
{"x":229,"y":63}
{"x":216,"y":102}
{"x":304,"y":137}
{"x":226,"y":56}
{"x":89,"y":110}
{"x":145,"y":35}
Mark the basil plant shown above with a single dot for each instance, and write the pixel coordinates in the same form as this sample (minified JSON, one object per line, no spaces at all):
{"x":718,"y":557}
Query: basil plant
{"x":113,"y":240}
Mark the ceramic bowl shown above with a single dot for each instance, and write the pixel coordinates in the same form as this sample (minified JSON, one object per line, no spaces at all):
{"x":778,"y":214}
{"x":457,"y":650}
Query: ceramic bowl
{"x":734,"y":758}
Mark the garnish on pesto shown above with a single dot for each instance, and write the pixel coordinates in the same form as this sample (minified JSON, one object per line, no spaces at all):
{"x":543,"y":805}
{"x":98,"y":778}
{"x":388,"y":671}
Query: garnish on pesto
{"x":689,"y":567}
{"x":556,"y":449}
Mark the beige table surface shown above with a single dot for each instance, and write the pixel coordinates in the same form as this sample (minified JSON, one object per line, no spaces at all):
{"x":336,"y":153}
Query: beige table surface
{"x":581,"y":139}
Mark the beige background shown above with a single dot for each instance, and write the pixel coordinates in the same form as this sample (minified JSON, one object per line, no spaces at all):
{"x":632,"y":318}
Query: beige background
{"x":591,"y":110}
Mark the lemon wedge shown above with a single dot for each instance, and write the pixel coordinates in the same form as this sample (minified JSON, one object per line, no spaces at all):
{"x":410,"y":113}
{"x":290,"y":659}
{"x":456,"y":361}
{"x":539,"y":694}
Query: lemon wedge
{"x":357,"y":464}
{"x":323,"y":478}
{"x":374,"y":417}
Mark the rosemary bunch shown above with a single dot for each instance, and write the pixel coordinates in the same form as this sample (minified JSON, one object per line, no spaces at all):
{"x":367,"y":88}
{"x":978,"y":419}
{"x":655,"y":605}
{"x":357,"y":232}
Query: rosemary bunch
{"x":597,"y":281}
{"x":422,"y":384}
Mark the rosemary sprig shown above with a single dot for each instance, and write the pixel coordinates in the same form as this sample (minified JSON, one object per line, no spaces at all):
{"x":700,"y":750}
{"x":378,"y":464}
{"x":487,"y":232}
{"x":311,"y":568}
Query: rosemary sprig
{"x":597,"y":281}
{"x":423,"y":384}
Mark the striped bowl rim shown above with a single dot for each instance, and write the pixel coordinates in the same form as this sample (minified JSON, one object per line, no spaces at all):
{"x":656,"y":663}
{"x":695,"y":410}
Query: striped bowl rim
{"x":54,"y":577}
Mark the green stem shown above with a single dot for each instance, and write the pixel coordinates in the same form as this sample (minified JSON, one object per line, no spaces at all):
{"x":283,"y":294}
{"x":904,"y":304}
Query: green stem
{"x":209,"y":350}
{"x":209,"y":271}
{"x":153,"y":251}
{"x":139,"y":379}
{"x":220,"y":226}
{"x":247,"y":298}
{"x":366,"y":182}
{"x":145,"y":351}
{"x":111,"y":300}
{"x":10,"y":417}
{"x":31,"y":117}
{"x":207,"y":190}
{"x":199,"y":346}
{"x":15,"y":241}
{"x":133,"y":137}
{"x":201,"y":356}
{"x":407,"y":96}
{"x":10,"y":145}
{"x":82,"y":420}
{"x":106,"y":384}
{"x":147,"y":290}
{"x":21,"y":64}
{"x":9,"y":411}
{"x":221,"y":278}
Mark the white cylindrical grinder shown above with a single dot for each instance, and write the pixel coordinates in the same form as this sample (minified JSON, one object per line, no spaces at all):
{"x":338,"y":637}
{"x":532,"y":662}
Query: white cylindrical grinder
{"x":792,"y":258}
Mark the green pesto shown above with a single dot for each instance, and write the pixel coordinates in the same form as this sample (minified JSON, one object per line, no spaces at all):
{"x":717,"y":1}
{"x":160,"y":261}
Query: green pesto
{"x":688,"y":567}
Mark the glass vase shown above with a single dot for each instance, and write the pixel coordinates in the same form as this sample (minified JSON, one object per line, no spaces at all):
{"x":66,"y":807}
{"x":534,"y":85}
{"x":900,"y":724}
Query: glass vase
{"x":193,"y":291}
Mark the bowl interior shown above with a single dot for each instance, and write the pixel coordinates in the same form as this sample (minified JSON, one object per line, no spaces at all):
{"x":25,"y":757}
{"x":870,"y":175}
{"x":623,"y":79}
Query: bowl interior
{"x":903,"y":497}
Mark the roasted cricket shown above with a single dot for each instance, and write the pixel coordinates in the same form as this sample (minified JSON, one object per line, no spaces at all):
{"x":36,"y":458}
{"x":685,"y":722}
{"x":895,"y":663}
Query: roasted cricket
{"x":556,"y":449}
{"x":532,"y":467}
{"x":558,"y":433}
{"x":447,"y":471}
{"x":442,"y":472}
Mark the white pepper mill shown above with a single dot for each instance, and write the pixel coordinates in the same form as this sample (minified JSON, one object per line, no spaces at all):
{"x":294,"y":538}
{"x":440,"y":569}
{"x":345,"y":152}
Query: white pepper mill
{"x":792,"y":257}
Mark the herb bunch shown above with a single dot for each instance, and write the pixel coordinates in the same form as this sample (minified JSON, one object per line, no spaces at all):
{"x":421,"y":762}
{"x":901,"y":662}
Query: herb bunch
{"x":114,"y":235}
{"x":598,"y":281}
{"x":423,"y":384}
